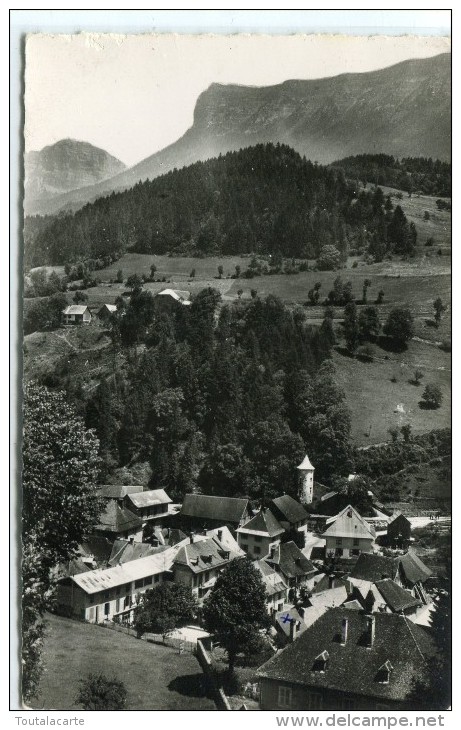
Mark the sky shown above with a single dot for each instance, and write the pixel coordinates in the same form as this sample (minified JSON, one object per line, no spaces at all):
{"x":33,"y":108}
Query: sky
{"x":133,"y":95}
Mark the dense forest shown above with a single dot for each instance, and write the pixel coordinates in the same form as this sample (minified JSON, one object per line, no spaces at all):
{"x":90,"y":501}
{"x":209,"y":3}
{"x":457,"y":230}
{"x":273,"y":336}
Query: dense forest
{"x":264,"y":199}
{"x":222,"y":398}
{"x":412,"y":174}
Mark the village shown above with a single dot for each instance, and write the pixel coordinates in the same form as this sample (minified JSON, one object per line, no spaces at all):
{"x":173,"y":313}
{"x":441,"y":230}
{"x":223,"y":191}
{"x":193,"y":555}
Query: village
{"x":347,"y":597}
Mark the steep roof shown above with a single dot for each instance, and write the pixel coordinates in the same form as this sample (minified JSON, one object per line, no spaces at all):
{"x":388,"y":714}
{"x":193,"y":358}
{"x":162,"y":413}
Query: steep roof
{"x":118,"y":491}
{"x":264,"y":523}
{"x":177,"y":294}
{"x":399,"y":517}
{"x":354,"y":667}
{"x":373,"y":567}
{"x":206,"y":554}
{"x":413,"y":569}
{"x":203,"y":506}
{"x":397,"y":598}
{"x":75,"y":309}
{"x":305,"y":464}
{"x":287,"y":508}
{"x":326,"y":583}
{"x":117,"y":519}
{"x":271,"y":579}
{"x":124,"y":551}
{"x":97,"y":547}
{"x":349,"y":524}
{"x":149,"y":498}
{"x":291,"y":561}
{"x":110,"y":308}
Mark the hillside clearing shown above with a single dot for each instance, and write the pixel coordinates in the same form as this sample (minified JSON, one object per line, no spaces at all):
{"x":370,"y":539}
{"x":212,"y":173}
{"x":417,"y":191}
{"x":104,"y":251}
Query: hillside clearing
{"x":156,"y":677}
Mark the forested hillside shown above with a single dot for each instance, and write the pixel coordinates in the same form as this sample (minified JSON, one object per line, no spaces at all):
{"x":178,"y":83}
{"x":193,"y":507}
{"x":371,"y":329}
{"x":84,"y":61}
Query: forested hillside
{"x":264,"y":199}
{"x":413,"y":174}
{"x":226,"y":403}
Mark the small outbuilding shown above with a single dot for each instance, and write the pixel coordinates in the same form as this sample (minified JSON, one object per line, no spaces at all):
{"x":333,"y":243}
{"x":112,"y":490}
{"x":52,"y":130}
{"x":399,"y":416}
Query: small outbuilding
{"x":76,"y":314}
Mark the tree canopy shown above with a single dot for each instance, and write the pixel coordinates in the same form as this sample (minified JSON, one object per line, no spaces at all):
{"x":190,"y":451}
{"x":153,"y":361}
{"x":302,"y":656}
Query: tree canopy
{"x":235,"y":611}
{"x":163,"y":608}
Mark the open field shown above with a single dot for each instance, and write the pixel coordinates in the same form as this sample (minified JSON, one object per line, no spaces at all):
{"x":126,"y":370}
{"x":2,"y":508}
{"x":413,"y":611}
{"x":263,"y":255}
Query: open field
{"x":156,"y":677}
{"x":373,"y":398}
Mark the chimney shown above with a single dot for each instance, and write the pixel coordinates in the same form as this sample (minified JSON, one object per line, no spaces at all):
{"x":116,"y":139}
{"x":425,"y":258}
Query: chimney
{"x":219,"y":535}
{"x":131,"y":540}
{"x":292,"y":629}
{"x":370,"y":630}
{"x":331,"y":581}
{"x":272,"y":551}
{"x":344,"y":630}
{"x":191,"y":538}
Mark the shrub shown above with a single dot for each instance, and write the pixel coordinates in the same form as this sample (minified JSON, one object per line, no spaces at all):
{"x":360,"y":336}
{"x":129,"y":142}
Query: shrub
{"x":366,"y":353}
{"x":329,"y":259}
{"x":97,"y":692}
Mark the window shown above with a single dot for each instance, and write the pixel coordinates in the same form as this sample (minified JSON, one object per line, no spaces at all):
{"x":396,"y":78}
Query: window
{"x":119,"y":604}
{"x":138,"y":583}
{"x":314,"y":701}
{"x":257,"y":550}
{"x":356,"y":541}
{"x":207,"y":576}
{"x":148,"y":581}
{"x":156,"y":578}
{"x":117,"y":591}
{"x":339,"y":540}
{"x":355,"y":552}
{"x":127,"y":601}
{"x":244,"y":546}
{"x":106,"y":595}
{"x":106,"y":609}
{"x":128,"y":588}
{"x":91,"y":614}
{"x":257,"y":538}
{"x":284,"y":698}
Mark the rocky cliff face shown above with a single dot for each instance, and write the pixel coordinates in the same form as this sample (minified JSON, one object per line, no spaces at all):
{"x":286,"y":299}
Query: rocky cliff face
{"x":65,"y":166}
{"x":403,"y":110}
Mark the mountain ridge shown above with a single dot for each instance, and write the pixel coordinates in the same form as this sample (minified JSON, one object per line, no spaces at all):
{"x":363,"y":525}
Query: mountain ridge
{"x":402,"y":109}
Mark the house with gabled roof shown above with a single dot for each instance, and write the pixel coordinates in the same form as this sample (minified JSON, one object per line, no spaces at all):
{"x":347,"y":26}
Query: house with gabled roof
{"x":260,"y":534}
{"x":150,"y":505}
{"x":348,"y":660}
{"x":111,"y":594}
{"x":172,"y":297}
{"x":199,"y":562}
{"x":290,"y":513}
{"x":106,"y":311}
{"x":291,"y":563}
{"x":276,"y":587}
{"x":76,"y":314}
{"x":204,"y":511}
{"x":118,"y":522}
{"x":348,"y":534}
{"x":399,"y":530}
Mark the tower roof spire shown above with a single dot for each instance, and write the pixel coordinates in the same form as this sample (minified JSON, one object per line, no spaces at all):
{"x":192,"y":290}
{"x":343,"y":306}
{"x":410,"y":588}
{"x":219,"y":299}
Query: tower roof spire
{"x":305,"y":464}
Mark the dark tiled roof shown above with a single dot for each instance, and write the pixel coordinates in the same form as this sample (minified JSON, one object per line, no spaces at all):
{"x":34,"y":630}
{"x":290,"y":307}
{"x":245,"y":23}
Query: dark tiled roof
{"x":124,"y":551}
{"x":288,"y":509}
{"x":118,"y":491}
{"x":117,"y":519}
{"x":373,"y":567}
{"x":264,"y":521}
{"x":96,"y":546}
{"x":324,"y":584}
{"x":397,"y":598}
{"x":413,"y":568}
{"x":291,"y":561}
{"x":399,"y":518}
{"x":205,"y":555}
{"x":353,"y":667}
{"x":203,"y":506}
{"x":174,"y":536}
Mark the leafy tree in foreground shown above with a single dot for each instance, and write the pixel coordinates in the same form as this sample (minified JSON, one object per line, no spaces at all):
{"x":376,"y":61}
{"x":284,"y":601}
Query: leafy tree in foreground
{"x":235,"y":611}
{"x":399,"y":326}
{"x":432,"y":396}
{"x":98,"y":692}
{"x":60,"y":466}
{"x":164,"y":608}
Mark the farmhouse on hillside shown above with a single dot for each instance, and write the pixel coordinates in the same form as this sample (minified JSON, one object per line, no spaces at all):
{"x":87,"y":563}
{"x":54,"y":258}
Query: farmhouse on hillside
{"x":76,"y":314}
{"x":105,"y":312}
{"x":168,"y":299}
